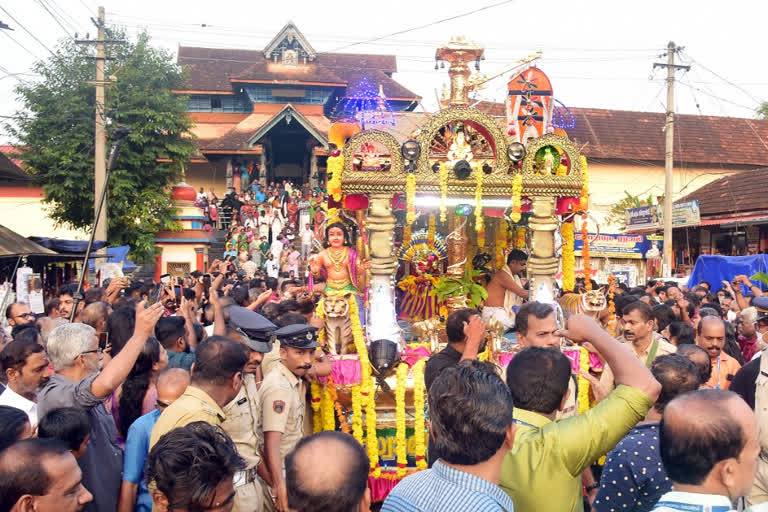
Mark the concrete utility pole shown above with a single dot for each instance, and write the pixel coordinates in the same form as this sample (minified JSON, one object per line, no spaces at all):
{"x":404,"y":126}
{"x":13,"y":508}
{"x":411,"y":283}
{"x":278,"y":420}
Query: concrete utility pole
{"x":669,"y":128}
{"x":100,"y":162}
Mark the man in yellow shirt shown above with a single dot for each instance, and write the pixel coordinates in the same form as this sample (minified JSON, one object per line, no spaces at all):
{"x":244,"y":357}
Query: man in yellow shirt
{"x":543,"y":469}
{"x":216,"y":379}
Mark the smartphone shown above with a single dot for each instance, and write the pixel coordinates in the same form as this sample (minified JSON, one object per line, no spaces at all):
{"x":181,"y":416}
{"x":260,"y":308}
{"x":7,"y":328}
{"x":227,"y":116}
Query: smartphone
{"x":103,"y":340}
{"x":165,"y":278}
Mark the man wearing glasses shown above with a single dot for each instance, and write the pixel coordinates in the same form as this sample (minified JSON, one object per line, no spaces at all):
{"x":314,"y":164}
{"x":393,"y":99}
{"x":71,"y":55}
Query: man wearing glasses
{"x":80,"y":382}
{"x":19,"y":314}
{"x":134,"y":495}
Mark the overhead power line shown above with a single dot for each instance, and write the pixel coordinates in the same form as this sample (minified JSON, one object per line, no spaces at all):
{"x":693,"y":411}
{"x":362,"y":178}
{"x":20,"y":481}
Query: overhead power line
{"x":27,"y":31}
{"x":55,"y":18}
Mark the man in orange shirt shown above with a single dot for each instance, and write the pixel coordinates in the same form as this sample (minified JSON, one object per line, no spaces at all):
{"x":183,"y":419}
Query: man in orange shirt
{"x":710,"y":335}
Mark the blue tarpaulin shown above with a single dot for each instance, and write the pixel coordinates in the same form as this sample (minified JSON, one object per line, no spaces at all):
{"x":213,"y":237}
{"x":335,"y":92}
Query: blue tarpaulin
{"x":716,"y":269}
{"x":116,"y":255}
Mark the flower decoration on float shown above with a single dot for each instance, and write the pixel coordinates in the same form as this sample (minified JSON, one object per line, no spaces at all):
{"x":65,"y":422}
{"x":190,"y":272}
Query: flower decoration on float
{"x":584,"y":197}
{"x":320,"y":313}
{"x":357,"y":414}
{"x":401,"y":443}
{"x":362,"y":351}
{"x":337,"y":406}
{"x":317,"y":423}
{"x":406,"y":234}
{"x":335,"y":168}
{"x":517,"y":205}
{"x":410,"y":198}
{"x":419,"y":423}
{"x":501,"y":243}
{"x":479,"y":224}
{"x":519,"y":239}
{"x":583,"y":383}
{"x":371,"y":441}
{"x":443,"y":190}
{"x":585,"y":254}
{"x":431,"y":230}
{"x":568,"y":256}
{"x":612,"y":321}
{"x":327,"y":410}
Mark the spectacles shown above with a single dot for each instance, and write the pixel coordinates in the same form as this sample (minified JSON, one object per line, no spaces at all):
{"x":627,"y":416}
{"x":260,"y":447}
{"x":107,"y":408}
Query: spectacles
{"x":94,"y":351}
{"x":25,"y":315}
{"x":160,"y":404}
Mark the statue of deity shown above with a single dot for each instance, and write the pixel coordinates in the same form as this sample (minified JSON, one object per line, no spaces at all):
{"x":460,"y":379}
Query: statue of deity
{"x":460,"y":148}
{"x":344,"y":273}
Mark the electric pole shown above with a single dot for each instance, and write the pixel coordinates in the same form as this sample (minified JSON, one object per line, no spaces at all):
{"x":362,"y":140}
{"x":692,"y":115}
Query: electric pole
{"x":669,"y":128}
{"x":100,"y":132}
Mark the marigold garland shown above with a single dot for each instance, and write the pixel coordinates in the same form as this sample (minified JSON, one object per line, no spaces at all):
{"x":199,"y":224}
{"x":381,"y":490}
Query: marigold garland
{"x":443,"y":190}
{"x":517,"y":205}
{"x":583,"y":383}
{"x":501,"y":243}
{"x":327,"y":410}
{"x":317,"y":424}
{"x":612,"y":305}
{"x":401,"y":444}
{"x":371,"y":440}
{"x":431,"y":230}
{"x":362,"y":350}
{"x":357,"y":414}
{"x":335,"y":168}
{"x":569,"y":257}
{"x":519,"y":239}
{"x":479,"y":224}
{"x":320,"y":313}
{"x":584,"y":197}
{"x":410,"y":198}
{"x":419,"y":434}
{"x":406,"y":235}
{"x":585,"y":254}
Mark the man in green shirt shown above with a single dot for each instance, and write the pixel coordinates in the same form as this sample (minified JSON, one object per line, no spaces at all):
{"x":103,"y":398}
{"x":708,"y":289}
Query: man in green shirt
{"x":543,"y":469}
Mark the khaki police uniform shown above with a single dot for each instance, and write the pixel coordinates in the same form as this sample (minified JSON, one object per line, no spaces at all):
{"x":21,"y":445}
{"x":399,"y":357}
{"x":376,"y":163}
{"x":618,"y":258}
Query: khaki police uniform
{"x":243,"y":425}
{"x":194,"y":405}
{"x":282,"y":399}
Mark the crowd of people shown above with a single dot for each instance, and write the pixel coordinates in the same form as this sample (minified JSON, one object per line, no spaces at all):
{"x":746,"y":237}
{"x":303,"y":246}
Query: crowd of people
{"x":194,"y":396}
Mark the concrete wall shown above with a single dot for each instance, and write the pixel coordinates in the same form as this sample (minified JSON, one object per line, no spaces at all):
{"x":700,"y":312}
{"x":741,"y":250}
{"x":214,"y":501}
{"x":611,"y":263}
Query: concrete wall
{"x":22,"y":210}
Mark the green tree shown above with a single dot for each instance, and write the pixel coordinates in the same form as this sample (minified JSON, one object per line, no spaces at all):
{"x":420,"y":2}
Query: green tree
{"x":616,"y":214}
{"x":763,"y":110}
{"x":56,"y":128}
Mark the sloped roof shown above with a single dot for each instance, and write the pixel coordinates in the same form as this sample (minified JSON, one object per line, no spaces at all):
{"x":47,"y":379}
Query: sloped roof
{"x":214,"y":69}
{"x":625,"y":134}
{"x":13,"y":244}
{"x":10,"y":166}
{"x":741,"y":193}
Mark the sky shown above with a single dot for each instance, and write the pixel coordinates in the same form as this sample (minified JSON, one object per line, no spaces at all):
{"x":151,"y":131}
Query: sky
{"x":597,"y":53}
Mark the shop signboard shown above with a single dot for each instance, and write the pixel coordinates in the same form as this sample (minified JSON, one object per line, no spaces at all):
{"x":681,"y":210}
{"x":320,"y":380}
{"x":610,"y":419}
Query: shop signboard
{"x":684,"y":214}
{"x":618,"y":246}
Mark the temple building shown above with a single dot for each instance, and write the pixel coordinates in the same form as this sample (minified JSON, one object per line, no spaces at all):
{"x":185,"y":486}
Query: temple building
{"x":265,"y":114}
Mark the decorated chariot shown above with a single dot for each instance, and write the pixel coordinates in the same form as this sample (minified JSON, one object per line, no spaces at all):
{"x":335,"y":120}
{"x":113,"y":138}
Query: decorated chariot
{"x":473,"y":189}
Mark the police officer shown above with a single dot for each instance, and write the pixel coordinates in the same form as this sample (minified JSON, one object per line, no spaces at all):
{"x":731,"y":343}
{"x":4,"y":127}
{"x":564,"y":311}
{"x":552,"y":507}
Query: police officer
{"x":283,"y":401}
{"x":243,"y":414}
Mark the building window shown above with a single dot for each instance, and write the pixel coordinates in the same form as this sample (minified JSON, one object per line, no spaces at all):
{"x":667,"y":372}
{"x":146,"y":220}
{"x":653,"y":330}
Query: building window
{"x":216,"y":103}
{"x":219,"y":103}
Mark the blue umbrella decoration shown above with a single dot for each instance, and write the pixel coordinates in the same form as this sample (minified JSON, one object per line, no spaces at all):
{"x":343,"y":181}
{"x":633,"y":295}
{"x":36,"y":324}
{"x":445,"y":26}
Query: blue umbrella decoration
{"x":562,"y":117}
{"x":365,"y":105}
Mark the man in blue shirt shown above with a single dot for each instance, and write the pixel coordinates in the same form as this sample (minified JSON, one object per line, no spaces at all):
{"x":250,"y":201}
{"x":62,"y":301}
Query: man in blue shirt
{"x":134,"y":496}
{"x":634,"y":478}
{"x":472,"y":427}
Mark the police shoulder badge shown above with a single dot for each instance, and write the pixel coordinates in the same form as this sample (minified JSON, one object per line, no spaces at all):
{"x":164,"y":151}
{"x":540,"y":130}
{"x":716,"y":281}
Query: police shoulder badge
{"x":278,"y":406}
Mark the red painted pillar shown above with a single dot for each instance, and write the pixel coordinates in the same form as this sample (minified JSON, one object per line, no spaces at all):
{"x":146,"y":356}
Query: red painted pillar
{"x":158,"y":265}
{"x":200,"y":261}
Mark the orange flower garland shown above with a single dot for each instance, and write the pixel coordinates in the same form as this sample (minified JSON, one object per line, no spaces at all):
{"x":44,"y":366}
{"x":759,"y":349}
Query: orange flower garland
{"x":569,"y":257}
{"x":611,"y":305}
{"x":519,"y":240}
{"x":585,"y":254}
{"x":337,"y":406}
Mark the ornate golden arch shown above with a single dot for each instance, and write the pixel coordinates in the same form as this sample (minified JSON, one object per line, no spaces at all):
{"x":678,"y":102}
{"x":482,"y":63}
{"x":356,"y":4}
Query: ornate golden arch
{"x":361,"y":138}
{"x":535,"y":183}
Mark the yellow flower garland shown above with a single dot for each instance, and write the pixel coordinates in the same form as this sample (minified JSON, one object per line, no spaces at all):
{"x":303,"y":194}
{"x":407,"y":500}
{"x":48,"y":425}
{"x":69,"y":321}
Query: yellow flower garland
{"x":583,"y":394}
{"x":431,"y":230}
{"x":585,"y":254}
{"x":317,"y":424}
{"x":612,"y":305}
{"x":320,"y":313}
{"x":335,"y":167}
{"x":517,"y":190}
{"x":419,"y":433}
{"x":406,"y":235}
{"x":519,"y":240}
{"x":357,"y":414}
{"x":569,"y":257}
{"x":400,"y":440}
{"x":410,"y":198}
{"x":501,"y":243}
{"x":371,"y":440}
{"x":479,"y":224}
{"x":362,"y":350}
{"x":584,"y":198}
{"x":443,"y":190}
{"x":327,"y":410}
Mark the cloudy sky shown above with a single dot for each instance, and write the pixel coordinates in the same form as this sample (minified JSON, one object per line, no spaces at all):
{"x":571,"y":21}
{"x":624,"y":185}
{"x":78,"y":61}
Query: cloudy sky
{"x":598,"y":53}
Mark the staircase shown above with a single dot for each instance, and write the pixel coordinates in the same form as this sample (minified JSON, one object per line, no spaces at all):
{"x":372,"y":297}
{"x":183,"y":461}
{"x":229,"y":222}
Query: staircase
{"x":219,"y":245}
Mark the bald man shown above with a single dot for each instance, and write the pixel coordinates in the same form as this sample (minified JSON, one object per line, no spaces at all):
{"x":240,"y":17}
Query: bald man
{"x":171,"y":384}
{"x":342,"y":486}
{"x":709,"y":446}
{"x":710,"y":335}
